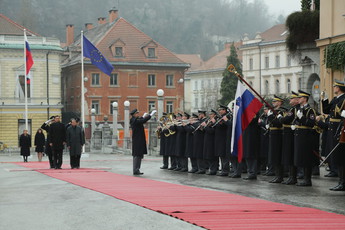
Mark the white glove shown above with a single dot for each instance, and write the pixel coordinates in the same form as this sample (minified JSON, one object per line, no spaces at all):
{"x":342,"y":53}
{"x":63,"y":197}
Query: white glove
{"x":47,"y":122}
{"x":269,"y":113}
{"x":279,"y":116}
{"x":299,"y":114}
{"x":145,"y":114}
{"x":267,"y":126}
{"x":153,"y":113}
{"x":342,"y":113}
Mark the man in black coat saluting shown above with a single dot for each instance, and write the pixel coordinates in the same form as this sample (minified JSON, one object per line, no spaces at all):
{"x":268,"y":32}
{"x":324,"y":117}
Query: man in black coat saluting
{"x":57,"y":140}
{"x":138,"y":138}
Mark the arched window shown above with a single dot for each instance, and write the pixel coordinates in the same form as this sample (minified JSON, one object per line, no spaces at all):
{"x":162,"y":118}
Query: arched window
{"x":266,"y":87}
{"x":288,"y":85}
{"x":277,"y":86}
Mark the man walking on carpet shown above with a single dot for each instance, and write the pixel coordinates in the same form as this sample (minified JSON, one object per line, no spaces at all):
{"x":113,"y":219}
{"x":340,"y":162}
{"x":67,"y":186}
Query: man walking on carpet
{"x":138,"y":138}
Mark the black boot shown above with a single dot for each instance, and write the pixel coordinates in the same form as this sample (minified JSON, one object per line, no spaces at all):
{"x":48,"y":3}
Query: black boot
{"x":293,"y":176}
{"x":279,"y":174}
{"x":307,"y":177}
{"x":341,"y":185}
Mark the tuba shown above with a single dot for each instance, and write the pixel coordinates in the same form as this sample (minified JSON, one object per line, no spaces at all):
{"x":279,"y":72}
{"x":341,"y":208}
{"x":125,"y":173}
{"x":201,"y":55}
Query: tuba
{"x":169,"y":123}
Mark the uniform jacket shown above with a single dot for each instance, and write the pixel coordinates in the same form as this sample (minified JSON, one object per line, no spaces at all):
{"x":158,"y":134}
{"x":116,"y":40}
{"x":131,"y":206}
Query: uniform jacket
{"x":138,"y":135}
{"x":57,"y":135}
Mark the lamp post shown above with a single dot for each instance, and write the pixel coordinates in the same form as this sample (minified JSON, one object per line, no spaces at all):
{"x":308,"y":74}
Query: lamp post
{"x":126,"y":126}
{"x":115,"y":105}
{"x":93,"y":126}
{"x":160,"y":102}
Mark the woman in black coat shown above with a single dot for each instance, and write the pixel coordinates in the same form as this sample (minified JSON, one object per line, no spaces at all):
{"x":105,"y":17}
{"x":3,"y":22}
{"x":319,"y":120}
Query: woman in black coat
{"x":25,"y":144}
{"x":39,"y":143}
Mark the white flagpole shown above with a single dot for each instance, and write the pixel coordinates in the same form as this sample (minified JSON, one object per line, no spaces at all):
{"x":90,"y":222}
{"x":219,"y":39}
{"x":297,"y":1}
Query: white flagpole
{"x":25,"y":83}
{"x":82,"y":83}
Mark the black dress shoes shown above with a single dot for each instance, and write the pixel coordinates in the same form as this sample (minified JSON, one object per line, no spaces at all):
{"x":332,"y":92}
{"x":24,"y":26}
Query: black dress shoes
{"x":200,"y":172}
{"x":164,"y":167}
{"x":290,"y":181}
{"x":222,"y":174}
{"x":339,"y":187}
{"x":250,"y":177}
{"x":138,"y":173}
{"x":171,"y":168}
{"x":331,"y":174}
{"x":304,"y":183}
{"x":184,"y":170}
{"x":235,"y":176}
{"x":276,"y":180}
{"x":177,"y":169}
{"x":192,"y":171}
{"x":211,"y":173}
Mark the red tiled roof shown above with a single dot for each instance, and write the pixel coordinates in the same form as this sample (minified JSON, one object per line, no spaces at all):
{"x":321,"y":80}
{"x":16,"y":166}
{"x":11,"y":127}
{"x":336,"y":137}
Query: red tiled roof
{"x":275,"y":33}
{"x":9,"y":27}
{"x":219,"y":61}
{"x":193,"y":59}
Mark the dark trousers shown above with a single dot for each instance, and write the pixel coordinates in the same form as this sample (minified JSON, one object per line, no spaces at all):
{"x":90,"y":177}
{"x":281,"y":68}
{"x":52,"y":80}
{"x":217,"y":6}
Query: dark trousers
{"x":213,"y":165}
{"x":236,"y":166}
{"x":173,"y":161}
{"x":75,"y":161}
{"x":57,"y":157}
{"x":201,"y":165}
{"x":194,"y":163}
{"x":225,"y":163}
{"x":136,"y":164}
{"x":165,"y":161}
{"x":50,"y":156}
{"x":183,"y":162}
{"x":252,"y":166}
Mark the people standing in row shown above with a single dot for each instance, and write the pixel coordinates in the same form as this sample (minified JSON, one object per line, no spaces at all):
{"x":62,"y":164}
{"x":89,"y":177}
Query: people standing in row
{"x":75,"y":139}
{"x":48,"y":149}
{"x":139,"y":148}
{"x":25,"y":145}
{"x":39,"y":144}
{"x":57,"y":140}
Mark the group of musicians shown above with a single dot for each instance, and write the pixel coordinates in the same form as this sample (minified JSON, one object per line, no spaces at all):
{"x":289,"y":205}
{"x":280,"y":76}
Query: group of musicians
{"x":278,"y":141}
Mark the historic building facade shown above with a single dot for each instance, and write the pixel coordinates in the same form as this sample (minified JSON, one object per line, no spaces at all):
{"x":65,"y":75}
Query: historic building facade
{"x":44,"y":90}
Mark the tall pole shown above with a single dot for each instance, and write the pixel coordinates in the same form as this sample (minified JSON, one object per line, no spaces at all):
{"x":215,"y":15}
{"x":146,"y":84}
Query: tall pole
{"x":160,"y":102}
{"x":25,"y":85}
{"x":115,"y":105}
{"x":93,"y":127}
{"x":126,"y":126}
{"x":82,"y":83}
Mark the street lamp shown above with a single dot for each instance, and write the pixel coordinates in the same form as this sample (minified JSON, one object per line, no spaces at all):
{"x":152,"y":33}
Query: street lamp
{"x":126,"y":126}
{"x":160,"y":102}
{"x":115,"y":105}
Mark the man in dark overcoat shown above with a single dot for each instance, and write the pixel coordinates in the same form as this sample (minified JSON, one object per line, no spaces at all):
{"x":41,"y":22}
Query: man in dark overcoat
{"x":189,"y":128}
{"x":57,"y":140}
{"x":211,"y":159}
{"x":75,"y":140}
{"x":139,"y":148}
{"x":198,"y":142}
{"x":48,"y":148}
{"x":220,"y":142}
{"x":182,"y":160}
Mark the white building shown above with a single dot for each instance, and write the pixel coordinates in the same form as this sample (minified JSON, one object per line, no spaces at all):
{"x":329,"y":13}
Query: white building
{"x":267,"y":64}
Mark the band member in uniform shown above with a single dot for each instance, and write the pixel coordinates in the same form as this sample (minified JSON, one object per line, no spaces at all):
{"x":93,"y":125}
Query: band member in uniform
{"x":162,"y":138}
{"x":182,"y":160}
{"x":138,"y":138}
{"x":275,"y":139}
{"x":198,"y":142}
{"x":48,"y":149}
{"x":57,"y":140}
{"x":190,"y":143}
{"x":288,"y":139}
{"x":304,"y":138}
{"x":170,"y":143}
{"x":220,"y":142}
{"x":334,"y":109}
{"x":263,"y":156}
{"x":209,"y":143}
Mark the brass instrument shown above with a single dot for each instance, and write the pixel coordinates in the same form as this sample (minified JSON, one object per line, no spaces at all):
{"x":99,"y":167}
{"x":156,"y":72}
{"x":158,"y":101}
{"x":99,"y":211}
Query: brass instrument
{"x":168,"y":124}
{"x":200,"y":126}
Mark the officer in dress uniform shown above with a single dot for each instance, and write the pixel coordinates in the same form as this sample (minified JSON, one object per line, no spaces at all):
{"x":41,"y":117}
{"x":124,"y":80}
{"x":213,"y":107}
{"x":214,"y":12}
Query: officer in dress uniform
{"x":182,"y":161}
{"x":162,"y":138}
{"x":190,"y":142}
{"x":48,"y":149}
{"x":170,"y":143}
{"x":198,"y":142}
{"x":209,"y":142}
{"x":335,"y":110}
{"x":220,"y":140}
{"x":275,"y":139}
{"x":304,"y":138}
{"x":264,"y":138}
{"x":288,"y":139}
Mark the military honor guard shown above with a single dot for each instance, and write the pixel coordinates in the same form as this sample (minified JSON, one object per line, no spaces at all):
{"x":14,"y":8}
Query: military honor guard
{"x":209,"y":144}
{"x":190,"y":153}
{"x":48,"y":150}
{"x":198,"y":142}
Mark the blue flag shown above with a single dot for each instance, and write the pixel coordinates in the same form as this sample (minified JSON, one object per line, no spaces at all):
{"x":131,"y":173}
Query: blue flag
{"x":96,"y":57}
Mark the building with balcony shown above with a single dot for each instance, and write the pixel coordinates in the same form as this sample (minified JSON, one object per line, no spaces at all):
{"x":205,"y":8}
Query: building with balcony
{"x":44,"y":90}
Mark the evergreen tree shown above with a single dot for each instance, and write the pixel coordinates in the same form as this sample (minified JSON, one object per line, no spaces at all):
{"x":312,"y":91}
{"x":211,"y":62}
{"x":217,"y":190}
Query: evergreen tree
{"x":305,"y":5}
{"x":229,"y":82}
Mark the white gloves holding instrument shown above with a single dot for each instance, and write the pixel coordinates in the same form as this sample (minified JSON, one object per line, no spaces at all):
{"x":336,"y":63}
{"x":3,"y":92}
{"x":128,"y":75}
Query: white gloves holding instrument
{"x":299,"y":114}
{"x":153,"y":113}
{"x":269,"y":113}
{"x":279,"y":116}
{"x":342,"y":113}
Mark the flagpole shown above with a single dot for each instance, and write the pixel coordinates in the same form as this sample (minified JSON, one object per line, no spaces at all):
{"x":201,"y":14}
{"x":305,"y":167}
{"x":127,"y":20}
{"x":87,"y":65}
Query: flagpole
{"x":82,"y":83}
{"x":25,"y":85}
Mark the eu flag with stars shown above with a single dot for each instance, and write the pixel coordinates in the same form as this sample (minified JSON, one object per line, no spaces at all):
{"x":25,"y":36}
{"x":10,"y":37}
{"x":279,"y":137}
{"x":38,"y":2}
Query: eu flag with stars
{"x":96,"y":57}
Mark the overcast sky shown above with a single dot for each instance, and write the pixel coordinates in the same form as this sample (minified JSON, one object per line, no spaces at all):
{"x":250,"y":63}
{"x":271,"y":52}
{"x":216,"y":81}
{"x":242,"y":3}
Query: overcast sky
{"x":284,"y":7}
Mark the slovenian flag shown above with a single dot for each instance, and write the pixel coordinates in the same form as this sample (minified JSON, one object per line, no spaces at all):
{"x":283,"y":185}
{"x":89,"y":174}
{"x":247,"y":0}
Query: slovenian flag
{"x":29,"y":60}
{"x":245,"y":110}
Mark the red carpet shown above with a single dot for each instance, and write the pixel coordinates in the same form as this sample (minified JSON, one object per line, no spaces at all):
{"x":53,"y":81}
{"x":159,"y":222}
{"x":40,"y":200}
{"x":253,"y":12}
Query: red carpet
{"x":202,"y":207}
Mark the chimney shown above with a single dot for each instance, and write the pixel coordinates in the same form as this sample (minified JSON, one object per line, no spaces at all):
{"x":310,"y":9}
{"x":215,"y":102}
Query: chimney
{"x":113,"y":14}
{"x":69,"y":34}
{"x":88,"y":26}
{"x":101,"y":20}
